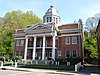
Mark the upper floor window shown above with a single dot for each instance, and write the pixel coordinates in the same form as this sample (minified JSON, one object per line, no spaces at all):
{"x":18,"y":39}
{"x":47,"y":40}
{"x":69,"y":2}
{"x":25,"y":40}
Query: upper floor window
{"x":74,"y":40}
{"x":74,"y":53}
{"x":67,"y":40}
{"x":67,"y":53}
{"x":17,"y":42}
{"x":22,"y":43}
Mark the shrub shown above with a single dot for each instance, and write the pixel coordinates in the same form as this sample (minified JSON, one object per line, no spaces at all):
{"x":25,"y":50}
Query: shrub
{"x":18,"y":58}
{"x":60,"y":59}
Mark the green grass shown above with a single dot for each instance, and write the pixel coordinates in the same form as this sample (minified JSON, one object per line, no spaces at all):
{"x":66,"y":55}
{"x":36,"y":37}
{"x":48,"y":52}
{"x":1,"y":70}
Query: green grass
{"x":6,"y":63}
{"x":53,"y":67}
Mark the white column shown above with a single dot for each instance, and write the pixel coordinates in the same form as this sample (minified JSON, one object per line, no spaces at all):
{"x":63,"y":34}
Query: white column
{"x":34,"y":48}
{"x":43,"y":49}
{"x":25,"y":53}
{"x":53,"y":47}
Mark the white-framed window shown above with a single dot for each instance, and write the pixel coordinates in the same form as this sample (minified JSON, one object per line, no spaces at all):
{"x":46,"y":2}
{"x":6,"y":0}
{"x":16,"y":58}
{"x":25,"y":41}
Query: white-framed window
{"x":67,"y":40}
{"x":67,"y":53}
{"x":22,"y":43}
{"x":59,"y":53}
{"x":17,"y":42}
{"x":21,"y":52}
{"x":74,"y":53}
{"x":17,"y":53}
{"x":74,"y":40}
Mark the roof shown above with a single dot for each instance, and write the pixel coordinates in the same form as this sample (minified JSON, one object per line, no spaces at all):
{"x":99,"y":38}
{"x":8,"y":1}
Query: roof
{"x":52,"y":11}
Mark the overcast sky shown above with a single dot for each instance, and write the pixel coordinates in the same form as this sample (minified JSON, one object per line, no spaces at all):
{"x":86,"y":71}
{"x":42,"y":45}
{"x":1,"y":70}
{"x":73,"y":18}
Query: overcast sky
{"x":69,"y":10}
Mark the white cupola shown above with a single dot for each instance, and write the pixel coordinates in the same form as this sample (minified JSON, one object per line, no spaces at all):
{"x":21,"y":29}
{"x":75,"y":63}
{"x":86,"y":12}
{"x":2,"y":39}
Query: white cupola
{"x":52,"y":16}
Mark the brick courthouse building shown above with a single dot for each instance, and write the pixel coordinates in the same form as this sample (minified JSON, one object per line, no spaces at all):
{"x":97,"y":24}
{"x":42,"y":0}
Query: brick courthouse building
{"x":49,"y":40}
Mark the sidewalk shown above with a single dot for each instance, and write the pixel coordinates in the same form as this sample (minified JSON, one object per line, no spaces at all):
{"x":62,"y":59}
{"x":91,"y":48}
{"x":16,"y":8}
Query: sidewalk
{"x":38,"y":70}
{"x":45,"y":71}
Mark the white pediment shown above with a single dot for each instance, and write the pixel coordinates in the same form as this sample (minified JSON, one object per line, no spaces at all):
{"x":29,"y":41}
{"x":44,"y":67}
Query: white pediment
{"x":39,"y":28}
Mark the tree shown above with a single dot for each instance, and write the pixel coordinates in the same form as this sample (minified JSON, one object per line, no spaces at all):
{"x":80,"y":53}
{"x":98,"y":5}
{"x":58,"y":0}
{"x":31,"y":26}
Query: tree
{"x":90,"y":48}
{"x":9,"y":23}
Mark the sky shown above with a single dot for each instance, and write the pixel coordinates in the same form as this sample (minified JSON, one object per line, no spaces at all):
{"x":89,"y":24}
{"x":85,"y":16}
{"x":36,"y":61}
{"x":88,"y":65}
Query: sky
{"x":69,"y":10}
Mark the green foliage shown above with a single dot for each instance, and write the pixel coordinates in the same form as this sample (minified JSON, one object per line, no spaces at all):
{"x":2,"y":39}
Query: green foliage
{"x":52,"y":67}
{"x":18,"y":58}
{"x":60,"y":59}
{"x":90,"y":48}
{"x":9,"y":23}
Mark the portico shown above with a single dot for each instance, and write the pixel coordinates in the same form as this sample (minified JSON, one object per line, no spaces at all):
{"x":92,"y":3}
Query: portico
{"x":41,"y":47}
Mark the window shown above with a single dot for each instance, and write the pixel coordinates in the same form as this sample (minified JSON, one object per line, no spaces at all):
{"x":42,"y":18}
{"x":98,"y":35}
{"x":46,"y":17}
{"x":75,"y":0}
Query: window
{"x":50,"y":19}
{"x":74,"y":53}
{"x":46,"y":43}
{"x":59,"y":53}
{"x":41,"y":43}
{"x":53,"y":19}
{"x":17,"y":53}
{"x":67,"y":53}
{"x":47,"y":19}
{"x":57,"y":20}
{"x":22,"y":43}
{"x":74,"y":40}
{"x":67,"y":40}
{"x":17,"y":42}
{"x":21,"y":53}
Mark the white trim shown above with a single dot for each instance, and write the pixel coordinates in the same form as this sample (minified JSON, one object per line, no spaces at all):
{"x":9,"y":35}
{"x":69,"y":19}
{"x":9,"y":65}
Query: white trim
{"x":40,"y":47}
{"x":40,"y":34}
{"x":19,"y":38}
{"x":68,"y":40}
{"x":73,"y":40}
{"x":70,"y":30}
{"x":69,"y":35}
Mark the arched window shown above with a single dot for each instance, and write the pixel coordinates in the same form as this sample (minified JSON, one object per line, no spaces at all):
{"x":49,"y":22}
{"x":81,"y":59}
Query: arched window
{"x":74,"y":53}
{"x":67,"y":53}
